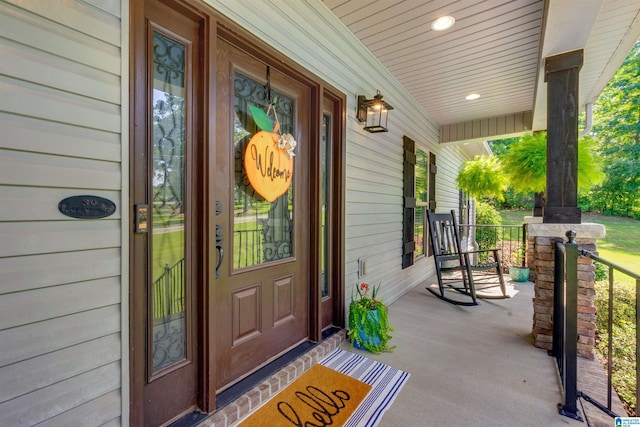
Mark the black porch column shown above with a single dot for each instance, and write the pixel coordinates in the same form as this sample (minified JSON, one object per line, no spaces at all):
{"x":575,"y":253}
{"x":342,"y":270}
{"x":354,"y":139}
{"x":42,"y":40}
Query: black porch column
{"x":538,"y":204}
{"x":561,"y":75}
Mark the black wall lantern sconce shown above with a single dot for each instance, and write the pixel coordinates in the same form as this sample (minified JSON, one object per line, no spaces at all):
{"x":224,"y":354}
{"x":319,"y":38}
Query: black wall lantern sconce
{"x":374,"y":112}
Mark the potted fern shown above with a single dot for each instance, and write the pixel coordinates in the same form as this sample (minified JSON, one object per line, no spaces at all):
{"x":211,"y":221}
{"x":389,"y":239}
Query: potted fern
{"x":482,"y":177}
{"x":369,"y":327}
{"x":517,"y":270}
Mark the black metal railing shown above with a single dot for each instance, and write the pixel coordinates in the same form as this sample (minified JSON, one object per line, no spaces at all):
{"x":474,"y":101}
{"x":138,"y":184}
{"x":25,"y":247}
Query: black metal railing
{"x":168,"y":291}
{"x":611,"y":362}
{"x":565,"y":323}
{"x":248,"y":247}
{"x":508,"y":239}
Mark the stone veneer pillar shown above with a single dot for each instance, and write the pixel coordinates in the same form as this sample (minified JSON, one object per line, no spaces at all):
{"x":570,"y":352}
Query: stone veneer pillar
{"x":540,"y":258}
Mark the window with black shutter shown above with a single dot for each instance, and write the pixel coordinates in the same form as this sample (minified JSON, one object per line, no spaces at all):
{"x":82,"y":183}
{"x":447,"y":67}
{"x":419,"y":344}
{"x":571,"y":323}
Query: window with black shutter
{"x":408,"y":244}
{"x":433,"y":170}
{"x":422,"y":203}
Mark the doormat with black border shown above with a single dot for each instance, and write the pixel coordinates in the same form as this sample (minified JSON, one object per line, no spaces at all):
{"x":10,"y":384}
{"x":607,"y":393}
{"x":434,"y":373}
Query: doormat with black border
{"x":320,"y":396}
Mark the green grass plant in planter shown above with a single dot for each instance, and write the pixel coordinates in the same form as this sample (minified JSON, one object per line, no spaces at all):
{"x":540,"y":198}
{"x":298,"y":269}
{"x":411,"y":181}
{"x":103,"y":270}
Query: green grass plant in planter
{"x":369,"y":327}
{"x":517,"y":270}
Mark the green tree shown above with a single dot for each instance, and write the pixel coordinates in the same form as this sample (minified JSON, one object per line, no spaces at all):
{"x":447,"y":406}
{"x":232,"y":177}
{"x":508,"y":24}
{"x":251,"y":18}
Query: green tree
{"x":616,"y":129}
{"x":501,"y":146}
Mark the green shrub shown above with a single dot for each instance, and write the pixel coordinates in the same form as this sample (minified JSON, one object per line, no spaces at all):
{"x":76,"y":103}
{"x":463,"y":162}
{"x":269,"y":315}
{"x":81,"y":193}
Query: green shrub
{"x":487,"y":237}
{"x":602,"y":272}
{"x":515,"y":200}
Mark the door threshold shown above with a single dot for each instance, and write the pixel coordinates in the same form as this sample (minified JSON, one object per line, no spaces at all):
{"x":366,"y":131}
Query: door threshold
{"x":190,"y":420}
{"x":242,"y":386}
{"x":236,"y":402}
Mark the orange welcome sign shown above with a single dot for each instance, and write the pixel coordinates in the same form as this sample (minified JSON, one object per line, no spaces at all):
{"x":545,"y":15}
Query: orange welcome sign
{"x":268,"y":167}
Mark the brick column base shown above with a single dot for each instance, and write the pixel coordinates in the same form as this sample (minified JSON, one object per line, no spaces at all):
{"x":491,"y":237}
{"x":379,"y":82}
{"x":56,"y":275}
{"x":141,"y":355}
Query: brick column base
{"x":540,"y":255}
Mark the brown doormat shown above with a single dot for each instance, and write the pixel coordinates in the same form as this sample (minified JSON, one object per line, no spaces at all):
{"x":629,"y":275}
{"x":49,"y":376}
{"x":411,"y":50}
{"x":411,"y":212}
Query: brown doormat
{"x":320,"y":396}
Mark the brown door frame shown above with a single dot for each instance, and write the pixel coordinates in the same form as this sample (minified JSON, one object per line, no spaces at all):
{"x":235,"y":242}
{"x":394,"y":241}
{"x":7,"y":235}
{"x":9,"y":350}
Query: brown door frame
{"x":333,"y":104}
{"x":215,"y":25}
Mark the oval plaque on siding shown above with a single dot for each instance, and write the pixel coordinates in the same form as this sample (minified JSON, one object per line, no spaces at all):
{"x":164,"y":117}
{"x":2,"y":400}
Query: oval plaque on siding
{"x":87,"y":207}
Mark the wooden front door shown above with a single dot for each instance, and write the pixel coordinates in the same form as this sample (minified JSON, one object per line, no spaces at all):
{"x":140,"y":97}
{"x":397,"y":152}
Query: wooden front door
{"x":261,"y":306}
{"x":167,"y":194}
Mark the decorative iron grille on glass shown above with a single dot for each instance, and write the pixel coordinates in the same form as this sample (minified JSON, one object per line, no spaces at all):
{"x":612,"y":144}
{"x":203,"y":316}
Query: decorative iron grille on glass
{"x":170,"y":203}
{"x":262,"y":230}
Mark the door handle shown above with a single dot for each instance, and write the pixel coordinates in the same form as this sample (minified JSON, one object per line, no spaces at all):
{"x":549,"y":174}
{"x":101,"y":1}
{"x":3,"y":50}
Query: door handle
{"x":219,"y":248}
{"x":219,"y":240}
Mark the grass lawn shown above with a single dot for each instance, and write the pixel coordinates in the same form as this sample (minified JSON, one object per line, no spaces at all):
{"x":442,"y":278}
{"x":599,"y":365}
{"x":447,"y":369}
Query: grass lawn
{"x":621,"y":245}
{"x":513,"y":217}
{"x":168,"y":248}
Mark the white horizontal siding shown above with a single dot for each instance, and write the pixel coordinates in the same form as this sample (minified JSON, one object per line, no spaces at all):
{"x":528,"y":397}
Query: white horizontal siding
{"x":49,"y":70}
{"x":41,"y":371}
{"x":80,"y":16}
{"x":22,"y":273}
{"x":109,"y":6}
{"x":101,"y":411}
{"x":29,"y":99}
{"x":42,"y":136}
{"x":60,"y":278}
{"x":448,"y":161}
{"x":31,"y":169}
{"x":23,"y":27}
{"x":38,"y":305}
{"x":113,"y":423}
{"x":48,"y":402}
{"x":64,"y":236}
{"x":56,"y":334}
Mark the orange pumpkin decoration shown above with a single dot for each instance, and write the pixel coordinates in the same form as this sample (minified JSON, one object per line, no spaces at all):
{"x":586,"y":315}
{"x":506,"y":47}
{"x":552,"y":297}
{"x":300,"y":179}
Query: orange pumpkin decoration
{"x":269,"y":168}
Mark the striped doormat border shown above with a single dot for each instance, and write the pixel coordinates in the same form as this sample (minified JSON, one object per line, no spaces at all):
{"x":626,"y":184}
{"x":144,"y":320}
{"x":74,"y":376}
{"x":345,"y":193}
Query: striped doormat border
{"x":386,"y":383}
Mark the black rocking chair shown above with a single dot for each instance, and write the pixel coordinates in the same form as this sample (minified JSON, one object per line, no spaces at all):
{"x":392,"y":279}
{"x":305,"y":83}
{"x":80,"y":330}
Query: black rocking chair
{"x":455,"y":262}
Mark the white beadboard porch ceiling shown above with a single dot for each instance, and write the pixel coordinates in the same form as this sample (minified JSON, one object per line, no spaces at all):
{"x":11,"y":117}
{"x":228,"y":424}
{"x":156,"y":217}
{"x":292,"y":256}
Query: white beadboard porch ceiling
{"x":496,"y":49}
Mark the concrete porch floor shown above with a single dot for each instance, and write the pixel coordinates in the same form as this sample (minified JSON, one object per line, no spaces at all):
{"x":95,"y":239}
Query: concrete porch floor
{"x":472,"y":366}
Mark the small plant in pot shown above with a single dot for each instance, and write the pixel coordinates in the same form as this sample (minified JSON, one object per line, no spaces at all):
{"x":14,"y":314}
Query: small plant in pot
{"x":517,"y":270}
{"x":369,"y":327}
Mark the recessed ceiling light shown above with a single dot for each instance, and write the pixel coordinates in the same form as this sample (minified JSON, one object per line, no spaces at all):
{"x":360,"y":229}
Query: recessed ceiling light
{"x":472,"y":96}
{"x":443,"y":23}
